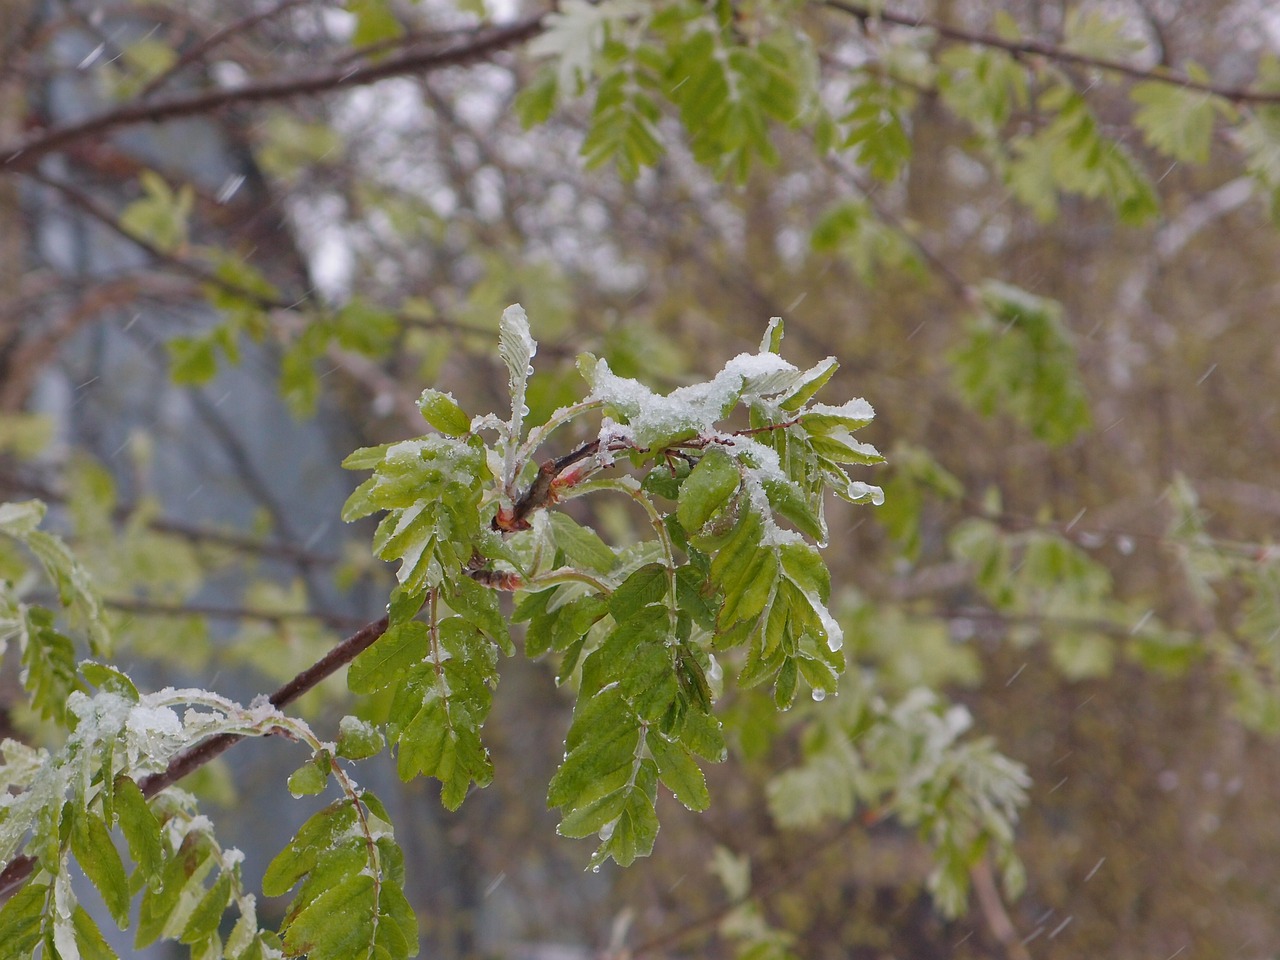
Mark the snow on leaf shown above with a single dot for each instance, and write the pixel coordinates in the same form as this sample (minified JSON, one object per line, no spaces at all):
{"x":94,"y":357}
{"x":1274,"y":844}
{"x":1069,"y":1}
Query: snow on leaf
{"x":693,"y":409}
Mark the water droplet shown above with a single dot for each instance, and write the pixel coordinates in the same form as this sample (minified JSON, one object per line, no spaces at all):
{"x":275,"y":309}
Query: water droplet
{"x":528,"y":371}
{"x":819,"y":694}
{"x":596,"y":868}
{"x":1124,"y":545}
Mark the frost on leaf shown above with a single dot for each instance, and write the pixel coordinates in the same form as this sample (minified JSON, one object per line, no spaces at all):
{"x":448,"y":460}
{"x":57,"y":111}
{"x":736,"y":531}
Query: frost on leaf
{"x":516,"y":347}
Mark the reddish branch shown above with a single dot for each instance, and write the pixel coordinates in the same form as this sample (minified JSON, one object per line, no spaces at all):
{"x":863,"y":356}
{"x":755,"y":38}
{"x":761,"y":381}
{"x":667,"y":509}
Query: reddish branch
{"x":193,"y":758}
{"x":476,"y":46}
{"x":1034,"y":48}
{"x":545,"y":489}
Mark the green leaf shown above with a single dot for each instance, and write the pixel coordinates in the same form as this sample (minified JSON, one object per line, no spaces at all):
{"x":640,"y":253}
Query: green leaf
{"x":439,"y":709}
{"x":385,"y":663}
{"x":191,"y":360}
{"x":159,"y":217}
{"x":375,"y":22}
{"x":442,"y":412}
{"x":645,"y":586}
{"x":1071,"y":154}
{"x":180,"y":886}
{"x":634,"y":831}
{"x":876,"y":131}
{"x":207,"y":915}
{"x":679,"y":771}
{"x":140,"y":827}
{"x":478,"y":605}
{"x":582,"y":546}
{"x":22,"y":921}
{"x":91,"y":844}
{"x":358,"y":739}
{"x":310,"y":778}
{"x":1019,"y":360}
{"x":537,"y":100}
{"x":89,"y":939}
{"x":713,"y":481}
{"x":49,"y":663}
{"x":1175,"y":121}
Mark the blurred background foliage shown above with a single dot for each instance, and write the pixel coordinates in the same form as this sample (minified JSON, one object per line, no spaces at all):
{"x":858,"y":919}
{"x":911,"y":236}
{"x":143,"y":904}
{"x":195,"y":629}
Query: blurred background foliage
{"x":1050,"y":269}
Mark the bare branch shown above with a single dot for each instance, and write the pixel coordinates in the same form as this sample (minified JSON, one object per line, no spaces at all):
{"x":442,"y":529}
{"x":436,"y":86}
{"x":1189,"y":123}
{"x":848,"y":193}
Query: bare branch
{"x":478,"y":45}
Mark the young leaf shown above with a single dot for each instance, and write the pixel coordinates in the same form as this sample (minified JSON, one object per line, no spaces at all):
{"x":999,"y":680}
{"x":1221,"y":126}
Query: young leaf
{"x":442,"y":412}
{"x":516,"y":346}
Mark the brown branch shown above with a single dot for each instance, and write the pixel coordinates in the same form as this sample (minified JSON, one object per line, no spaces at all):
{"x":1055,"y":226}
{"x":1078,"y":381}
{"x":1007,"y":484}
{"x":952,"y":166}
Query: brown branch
{"x":480,"y":44}
{"x":993,"y":911}
{"x":1030,"y":48}
{"x":193,"y":758}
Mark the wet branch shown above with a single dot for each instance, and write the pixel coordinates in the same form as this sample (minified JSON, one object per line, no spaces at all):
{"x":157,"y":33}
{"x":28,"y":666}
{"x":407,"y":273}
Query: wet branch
{"x":193,"y":758}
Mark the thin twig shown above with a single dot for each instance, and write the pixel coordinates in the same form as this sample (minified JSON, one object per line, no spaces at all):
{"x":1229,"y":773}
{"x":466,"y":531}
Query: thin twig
{"x":198,"y":50}
{"x":484,"y":42}
{"x":1036,"y":48}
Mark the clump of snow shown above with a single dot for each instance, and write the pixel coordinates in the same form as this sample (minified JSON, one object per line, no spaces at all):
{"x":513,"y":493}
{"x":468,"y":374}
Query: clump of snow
{"x":855,"y":409}
{"x":694,"y":408}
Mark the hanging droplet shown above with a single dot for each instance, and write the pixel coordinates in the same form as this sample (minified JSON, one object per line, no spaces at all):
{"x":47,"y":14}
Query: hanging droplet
{"x":819,"y":695}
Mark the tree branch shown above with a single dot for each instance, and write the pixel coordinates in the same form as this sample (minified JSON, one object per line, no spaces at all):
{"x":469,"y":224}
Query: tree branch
{"x":481,"y":43}
{"x":19,"y":869}
{"x":1034,"y":48}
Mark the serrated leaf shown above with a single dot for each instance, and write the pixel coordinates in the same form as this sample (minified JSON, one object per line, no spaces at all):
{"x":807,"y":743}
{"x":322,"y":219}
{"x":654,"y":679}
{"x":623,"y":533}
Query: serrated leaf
{"x":207,"y":915}
{"x":338,"y":924}
{"x":582,"y":546}
{"x":300,"y":854}
{"x":678,"y":770}
{"x":91,"y":844}
{"x":139,"y":825}
{"x":478,"y":605}
{"x":21,"y":921}
{"x":391,"y":655}
{"x":1177,"y":122}
{"x":645,"y":586}
{"x":634,"y":831}
{"x":713,"y":481}
{"x":90,"y":942}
